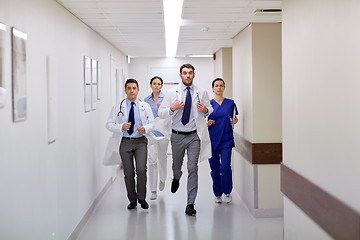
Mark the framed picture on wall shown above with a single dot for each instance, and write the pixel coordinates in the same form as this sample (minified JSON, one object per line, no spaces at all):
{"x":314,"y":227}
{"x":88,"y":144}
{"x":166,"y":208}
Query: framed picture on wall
{"x":87,"y":83}
{"x":2,"y":48}
{"x":98,"y":80}
{"x":18,"y":54}
{"x":94,"y":83}
{"x":52,"y":97}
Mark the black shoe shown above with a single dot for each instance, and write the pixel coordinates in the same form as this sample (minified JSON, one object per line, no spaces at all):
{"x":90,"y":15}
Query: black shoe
{"x":132,"y":205}
{"x":175,"y":185}
{"x":143,"y":204}
{"x":190,"y":210}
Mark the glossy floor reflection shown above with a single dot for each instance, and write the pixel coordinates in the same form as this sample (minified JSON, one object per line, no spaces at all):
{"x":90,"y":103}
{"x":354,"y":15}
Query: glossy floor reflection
{"x":165,"y":219}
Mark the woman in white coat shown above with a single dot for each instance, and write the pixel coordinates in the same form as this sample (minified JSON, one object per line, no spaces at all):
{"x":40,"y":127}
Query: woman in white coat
{"x":157,"y":153}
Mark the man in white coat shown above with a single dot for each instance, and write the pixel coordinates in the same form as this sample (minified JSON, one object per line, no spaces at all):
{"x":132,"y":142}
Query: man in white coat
{"x":131,"y":120}
{"x":188,"y":106}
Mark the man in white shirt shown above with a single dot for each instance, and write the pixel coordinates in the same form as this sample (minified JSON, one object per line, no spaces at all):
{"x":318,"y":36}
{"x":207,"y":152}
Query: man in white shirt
{"x":188,"y":106}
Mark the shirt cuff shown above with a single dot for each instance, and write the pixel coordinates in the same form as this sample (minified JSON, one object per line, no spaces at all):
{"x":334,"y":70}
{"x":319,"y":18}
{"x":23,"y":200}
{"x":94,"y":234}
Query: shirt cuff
{"x":207,"y":113}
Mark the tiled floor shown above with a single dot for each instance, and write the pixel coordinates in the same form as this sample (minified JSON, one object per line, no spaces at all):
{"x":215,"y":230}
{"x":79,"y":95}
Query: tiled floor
{"x":165,"y":219}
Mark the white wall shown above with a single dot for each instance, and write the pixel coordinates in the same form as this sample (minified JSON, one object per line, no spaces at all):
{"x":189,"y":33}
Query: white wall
{"x":47,"y":189}
{"x":223,"y":69}
{"x":298,"y":226}
{"x":257,"y":92}
{"x":242,"y":91}
{"x":267,"y":114}
{"x":218,"y":63}
{"x":143,"y":69}
{"x":321,"y":88}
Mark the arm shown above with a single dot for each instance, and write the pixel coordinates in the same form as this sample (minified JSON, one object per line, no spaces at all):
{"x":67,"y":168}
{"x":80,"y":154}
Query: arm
{"x":210,"y":122}
{"x":115,"y":122}
{"x":205,"y":106}
{"x":164,"y":109}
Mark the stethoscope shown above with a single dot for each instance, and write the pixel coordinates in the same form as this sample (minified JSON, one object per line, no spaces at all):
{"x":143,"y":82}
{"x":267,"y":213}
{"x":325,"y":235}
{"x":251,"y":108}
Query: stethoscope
{"x":142,"y":108}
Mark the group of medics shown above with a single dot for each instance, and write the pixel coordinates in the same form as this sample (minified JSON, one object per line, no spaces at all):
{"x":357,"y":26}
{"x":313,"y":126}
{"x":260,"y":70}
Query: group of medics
{"x":190,"y":121}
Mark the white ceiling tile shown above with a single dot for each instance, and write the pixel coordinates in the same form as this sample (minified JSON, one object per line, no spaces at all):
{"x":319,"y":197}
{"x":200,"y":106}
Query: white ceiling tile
{"x":136,"y":27}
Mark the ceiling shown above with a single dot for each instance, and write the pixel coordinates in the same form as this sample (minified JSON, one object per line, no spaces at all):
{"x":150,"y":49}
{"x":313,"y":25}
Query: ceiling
{"x":136,"y":27}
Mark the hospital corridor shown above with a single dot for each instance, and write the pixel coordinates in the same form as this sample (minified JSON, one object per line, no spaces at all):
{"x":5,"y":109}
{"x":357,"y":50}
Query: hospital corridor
{"x":266,"y":93}
{"x":166,"y":219}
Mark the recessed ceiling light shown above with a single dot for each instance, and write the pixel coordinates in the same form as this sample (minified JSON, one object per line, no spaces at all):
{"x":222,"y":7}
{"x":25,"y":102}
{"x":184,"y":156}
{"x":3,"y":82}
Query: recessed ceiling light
{"x":201,"y":56}
{"x":205,"y":29}
{"x":2,"y":27}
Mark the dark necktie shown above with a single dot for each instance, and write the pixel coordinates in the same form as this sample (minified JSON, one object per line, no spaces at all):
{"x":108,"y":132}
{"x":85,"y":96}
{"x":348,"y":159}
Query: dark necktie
{"x":186,"y":114}
{"x":131,"y":119}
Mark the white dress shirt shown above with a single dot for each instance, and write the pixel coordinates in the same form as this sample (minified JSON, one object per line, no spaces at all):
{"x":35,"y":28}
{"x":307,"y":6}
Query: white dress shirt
{"x":176,"y":122}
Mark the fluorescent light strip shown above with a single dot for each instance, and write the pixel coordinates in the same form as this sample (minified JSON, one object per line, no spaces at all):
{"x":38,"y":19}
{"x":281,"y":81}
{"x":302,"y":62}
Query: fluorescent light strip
{"x":2,"y":27}
{"x":19,"y":34}
{"x":201,"y":56}
{"x":172,"y":18}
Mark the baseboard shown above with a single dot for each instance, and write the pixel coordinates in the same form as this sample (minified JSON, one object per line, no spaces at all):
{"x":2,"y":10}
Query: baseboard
{"x":75,"y":234}
{"x":268,"y":212}
{"x":260,"y":212}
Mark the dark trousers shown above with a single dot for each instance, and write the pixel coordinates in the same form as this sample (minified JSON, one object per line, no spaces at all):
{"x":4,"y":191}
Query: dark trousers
{"x":221,"y":171}
{"x":133,"y":154}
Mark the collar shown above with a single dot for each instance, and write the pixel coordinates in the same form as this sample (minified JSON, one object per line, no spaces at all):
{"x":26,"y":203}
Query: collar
{"x":128,"y":102}
{"x":161,"y":95}
{"x":183,"y":87}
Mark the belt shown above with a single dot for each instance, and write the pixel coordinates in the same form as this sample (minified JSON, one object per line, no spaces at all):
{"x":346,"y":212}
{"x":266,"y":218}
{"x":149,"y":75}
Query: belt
{"x":184,"y":133}
{"x":129,"y":138}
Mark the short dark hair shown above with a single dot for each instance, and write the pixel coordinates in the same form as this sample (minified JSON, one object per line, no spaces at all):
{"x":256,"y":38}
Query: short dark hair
{"x":156,"y":77}
{"x":131,"y":80}
{"x":217,"y":79}
{"x":187,"y":65}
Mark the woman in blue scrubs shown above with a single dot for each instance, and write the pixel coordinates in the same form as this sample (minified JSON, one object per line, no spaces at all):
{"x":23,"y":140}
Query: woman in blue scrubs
{"x":157,"y":158}
{"x":220,"y":124}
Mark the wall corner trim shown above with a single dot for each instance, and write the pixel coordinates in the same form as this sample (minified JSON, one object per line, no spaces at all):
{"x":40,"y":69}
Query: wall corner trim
{"x":258,"y":153}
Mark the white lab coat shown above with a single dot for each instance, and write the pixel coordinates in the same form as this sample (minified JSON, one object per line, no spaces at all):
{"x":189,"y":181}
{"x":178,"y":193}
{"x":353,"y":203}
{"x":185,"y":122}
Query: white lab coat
{"x":201,"y":123}
{"x":118,"y":116}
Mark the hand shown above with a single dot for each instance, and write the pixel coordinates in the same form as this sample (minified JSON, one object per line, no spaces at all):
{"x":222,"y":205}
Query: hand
{"x":235,"y":120}
{"x":202,"y":108}
{"x":177,"y":105}
{"x":141,"y":129}
{"x":126,"y":126}
{"x":158,"y":105}
{"x":210,"y":122}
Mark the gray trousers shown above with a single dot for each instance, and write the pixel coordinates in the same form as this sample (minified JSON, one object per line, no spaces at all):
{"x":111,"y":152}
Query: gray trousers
{"x":130,"y":150}
{"x":191,"y":143}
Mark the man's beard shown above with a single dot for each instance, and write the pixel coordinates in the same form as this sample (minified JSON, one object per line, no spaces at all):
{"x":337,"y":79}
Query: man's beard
{"x":187,"y":84}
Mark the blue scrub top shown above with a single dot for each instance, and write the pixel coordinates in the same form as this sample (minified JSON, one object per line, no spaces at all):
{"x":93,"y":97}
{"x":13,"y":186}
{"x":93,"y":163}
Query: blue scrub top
{"x":221,"y":132}
{"x":155,"y":109}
